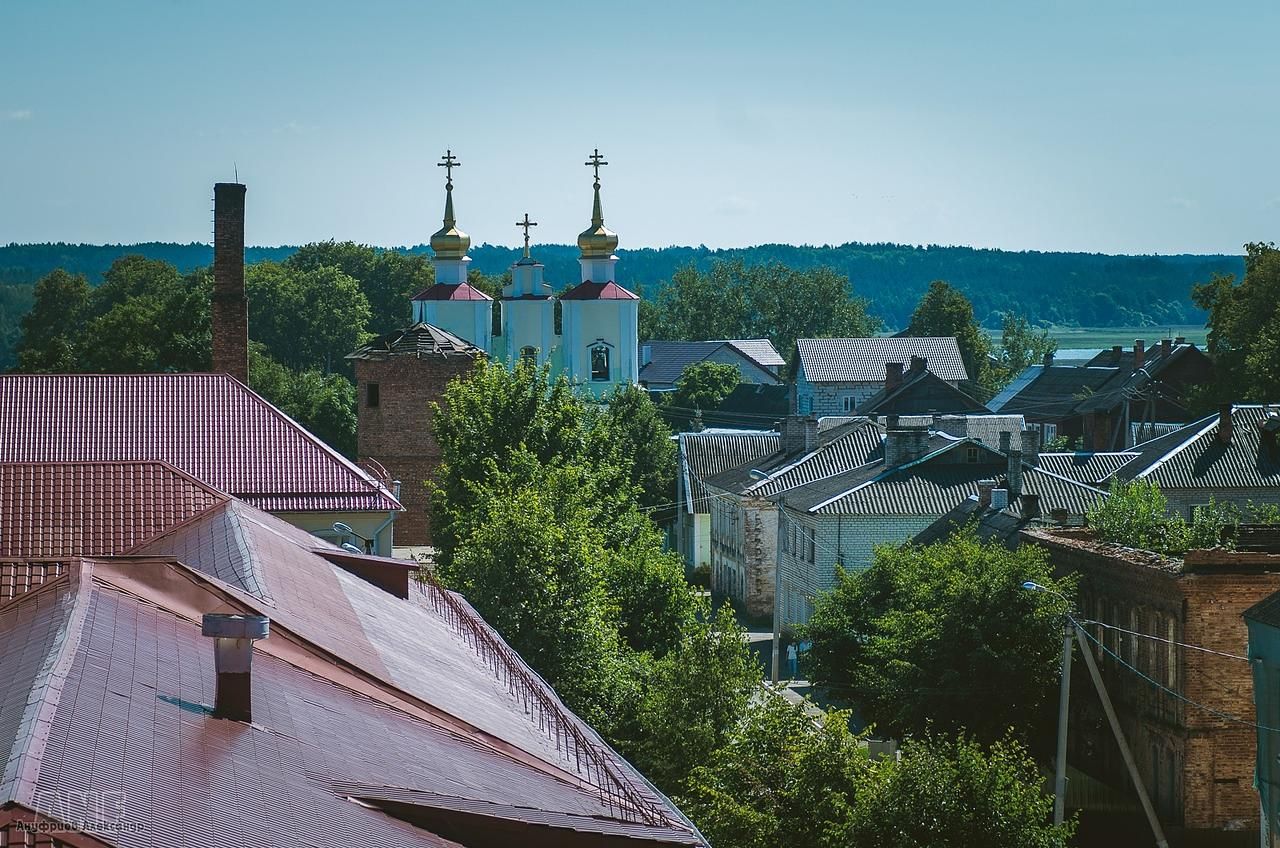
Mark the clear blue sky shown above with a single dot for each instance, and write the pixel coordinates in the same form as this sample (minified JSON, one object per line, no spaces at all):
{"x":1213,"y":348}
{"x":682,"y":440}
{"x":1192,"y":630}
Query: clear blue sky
{"x":1110,"y":126}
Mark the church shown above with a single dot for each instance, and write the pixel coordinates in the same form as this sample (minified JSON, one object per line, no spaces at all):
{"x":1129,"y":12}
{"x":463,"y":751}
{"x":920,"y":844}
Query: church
{"x":596,"y":344}
{"x":401,"y":373}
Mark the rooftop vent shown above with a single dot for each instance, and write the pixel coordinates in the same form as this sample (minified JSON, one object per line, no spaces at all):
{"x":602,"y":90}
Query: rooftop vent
{"x":234,"y":636}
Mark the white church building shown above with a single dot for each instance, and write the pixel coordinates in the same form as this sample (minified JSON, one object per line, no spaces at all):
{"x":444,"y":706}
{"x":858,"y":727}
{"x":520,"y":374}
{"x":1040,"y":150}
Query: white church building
{"x":597,"y":346}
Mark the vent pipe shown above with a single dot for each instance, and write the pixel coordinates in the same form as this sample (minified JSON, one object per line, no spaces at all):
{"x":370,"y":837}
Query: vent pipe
{"x":234,"y":636}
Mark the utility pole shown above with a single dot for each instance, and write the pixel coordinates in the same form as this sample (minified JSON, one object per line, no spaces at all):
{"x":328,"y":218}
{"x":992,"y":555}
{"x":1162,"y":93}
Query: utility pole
{"x":1064,"y":701}
{"x":1092,"y":665}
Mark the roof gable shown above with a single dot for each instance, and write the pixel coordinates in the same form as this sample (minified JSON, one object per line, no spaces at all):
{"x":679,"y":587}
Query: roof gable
{"x":420,"y":339}
{"x":210,"y":426}
{"x":447,"y":291}
{"x":862,"y":360}
{"x":1193,"y":457}
{"x":598,"y":291}
{"x":920,"y":392}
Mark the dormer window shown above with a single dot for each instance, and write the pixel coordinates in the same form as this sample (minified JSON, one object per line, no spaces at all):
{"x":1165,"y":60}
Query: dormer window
{"x":600,"y":363}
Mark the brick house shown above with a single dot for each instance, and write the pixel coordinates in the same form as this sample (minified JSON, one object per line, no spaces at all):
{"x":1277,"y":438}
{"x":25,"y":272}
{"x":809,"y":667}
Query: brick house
{"x":836,"y":376}
{"x":398,"y":377}
{"x":701,"y":456}
{"x":1263,"y":622}
{"x":1198,"y":767}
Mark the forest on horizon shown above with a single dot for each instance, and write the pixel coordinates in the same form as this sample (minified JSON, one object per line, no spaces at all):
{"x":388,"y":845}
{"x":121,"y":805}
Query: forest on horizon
{"x":1068,"y":289}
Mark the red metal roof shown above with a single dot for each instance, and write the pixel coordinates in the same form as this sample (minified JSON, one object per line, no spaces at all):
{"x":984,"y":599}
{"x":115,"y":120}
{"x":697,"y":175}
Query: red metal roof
{"x":209,"y":425}
{"x":445,"y":291}
{"x":69,"y":509}
{"x":598,"y":291}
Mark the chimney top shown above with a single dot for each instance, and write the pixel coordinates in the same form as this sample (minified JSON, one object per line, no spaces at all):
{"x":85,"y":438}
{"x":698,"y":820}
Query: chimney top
{"x":1139,"y":353}
{"x":233,"y":660}
{"x":999,"y":498}
{"x":985,"y":488}
{"x":1180,"y":340}
{"x":892,"y":375}
{"x":918,"y":363}
{"x":1116,"y":352}
{"x":1225,"y":424}
{"x":1166,"y":345}
{"x":1030,"y":505}
{"x":1048,"y":359}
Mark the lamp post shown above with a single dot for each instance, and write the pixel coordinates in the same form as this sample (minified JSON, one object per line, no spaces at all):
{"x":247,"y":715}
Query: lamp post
{"x":344,"y":530}
{"x":1064,"y":698}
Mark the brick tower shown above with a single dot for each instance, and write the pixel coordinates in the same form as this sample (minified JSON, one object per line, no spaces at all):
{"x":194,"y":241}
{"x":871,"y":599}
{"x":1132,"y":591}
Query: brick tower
{"x":398,"y":376}
{"x":230,"y":308}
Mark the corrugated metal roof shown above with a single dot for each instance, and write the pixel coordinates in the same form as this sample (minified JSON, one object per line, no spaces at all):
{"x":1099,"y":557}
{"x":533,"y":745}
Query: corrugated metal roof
{"x":1091,"y":468}
{"x":419,"y":340}
{"x":69,"y":509}
{"x":760,"y":351}
{"x":1194,"y":458}
{"x":921,"y":392}
{"x":208,"y":425}
{"x":863,"y":360}
{"x":447,"y":291}
{"x":1055,"y":392}
{"x":852,"y":446}
{"x":708,"y":453}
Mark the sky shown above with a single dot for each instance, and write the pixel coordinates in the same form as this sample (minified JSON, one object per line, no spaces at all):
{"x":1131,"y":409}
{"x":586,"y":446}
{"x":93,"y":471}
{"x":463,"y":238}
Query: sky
{"x":1115,"y":127}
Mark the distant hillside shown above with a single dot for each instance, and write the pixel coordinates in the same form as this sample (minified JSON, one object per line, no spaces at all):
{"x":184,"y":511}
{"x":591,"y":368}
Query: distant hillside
{"x":1071,"y":289}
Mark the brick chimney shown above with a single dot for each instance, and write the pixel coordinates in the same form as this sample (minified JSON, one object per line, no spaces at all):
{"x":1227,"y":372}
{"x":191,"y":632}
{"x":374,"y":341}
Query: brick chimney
{"x":905,"y":443}
{"x":919,"y":364}
{"x":799,"y":434}
{"x":1048,"y":359}
{"x":1166,"y":347}
{"x":230,"y":308}
{"x":1225,"y":424}
{"x":233,"y":637}
{"x":1180,"y":340}
{"x":1116,"y":352}
{"x":892,"y":376}
{"x":985,"y":488}
{"x":1006,"y":438}
{"x":1031,"y":444}
{"x":1139,"y":353}
{"x":1030,"y":505}
{"x":1015,"y":472}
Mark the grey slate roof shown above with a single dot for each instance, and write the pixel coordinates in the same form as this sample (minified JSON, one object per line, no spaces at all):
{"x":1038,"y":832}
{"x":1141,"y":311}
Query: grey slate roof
{"x":863,"y":360}
{"x":417,"y":340}
{"x":983,"y":428}
{"x":710,"y":452}
{"x":840,"y":449}
{"x":1055,"y":392}
{"x":1085,"y":467}
{"x":1193,"y":457}
{"x":1001,"y":525}
{"x":668,"y":359}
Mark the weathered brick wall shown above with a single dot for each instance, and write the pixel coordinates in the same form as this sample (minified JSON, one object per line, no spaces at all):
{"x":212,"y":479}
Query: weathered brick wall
{"x":1182,"y":501}
{"x":1197,"y":766}
{"x":398,"y":431}
{"x":229,"y":309}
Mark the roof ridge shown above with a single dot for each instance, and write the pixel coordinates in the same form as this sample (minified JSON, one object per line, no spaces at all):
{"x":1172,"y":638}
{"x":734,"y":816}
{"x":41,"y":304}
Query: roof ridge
{"x":365,"y":477}
{"x":25,"y":765}
{"x":1209,"y":422}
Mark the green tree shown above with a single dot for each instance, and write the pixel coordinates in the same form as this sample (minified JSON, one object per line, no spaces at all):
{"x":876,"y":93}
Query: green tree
{"x":645,"y":446}
{"x":945,"y":311}
{"x":53,"y":330}
{"x":951,"y":793}
{"x":921,"y":638}
{"x":1244,"y":328}
{"x":1021,"y":346}
{"x":1137,"y":515}
{"x":655,"y":606}
{"x":387,"y":278}
{"x":705,"y":385}
{"x":734,"y":300}
{"x":306,"y":318}
{"x":693,"y":699}
{"x":147,"y":317}
{"x":485,"y":419}
{"x":781,"y":778}
{"x":323,"y":403}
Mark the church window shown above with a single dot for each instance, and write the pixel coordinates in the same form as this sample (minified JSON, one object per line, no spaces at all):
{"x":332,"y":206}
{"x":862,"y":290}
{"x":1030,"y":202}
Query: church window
{"x":529,"y":355}
{"x":600,"y":363}
{"x":371,"y":394}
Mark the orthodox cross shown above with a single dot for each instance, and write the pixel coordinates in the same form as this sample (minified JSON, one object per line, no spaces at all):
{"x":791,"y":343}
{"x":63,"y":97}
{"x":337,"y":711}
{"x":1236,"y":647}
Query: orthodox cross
{"x":526,"y":224}
{"x":594,"y":161}
{"x":448,"y":161}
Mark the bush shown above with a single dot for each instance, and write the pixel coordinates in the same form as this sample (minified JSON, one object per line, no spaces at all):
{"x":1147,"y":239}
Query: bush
{"x":1136,"y":515}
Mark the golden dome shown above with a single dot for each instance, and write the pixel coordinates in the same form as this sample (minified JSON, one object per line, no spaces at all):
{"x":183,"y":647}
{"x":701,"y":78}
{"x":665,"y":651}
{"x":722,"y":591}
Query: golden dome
{"x":597,"y":241}
{"x":449,"y":242}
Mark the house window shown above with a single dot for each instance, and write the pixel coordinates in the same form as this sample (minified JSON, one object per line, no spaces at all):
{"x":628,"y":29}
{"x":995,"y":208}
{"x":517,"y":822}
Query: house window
{"x":804,"y":404}
{"x":848,"y":403}
{"x":971,"y":454}
{"x":529,"y":355}
{"x":812,"y":540}
{"x":1050,"y":432}
{"x":371,"y":394}
{"x":600,"y":364}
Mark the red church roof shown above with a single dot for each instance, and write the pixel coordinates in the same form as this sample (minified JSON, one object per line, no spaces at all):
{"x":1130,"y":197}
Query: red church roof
{"x":598,"y":291}
{"x":210,"y":426}
{"x":443,"y":291}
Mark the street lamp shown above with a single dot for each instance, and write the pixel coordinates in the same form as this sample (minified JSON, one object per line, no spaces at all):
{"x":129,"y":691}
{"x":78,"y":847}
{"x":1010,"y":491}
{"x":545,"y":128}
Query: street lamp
{"x":345,"y":530}
{"x":1064,"y":697}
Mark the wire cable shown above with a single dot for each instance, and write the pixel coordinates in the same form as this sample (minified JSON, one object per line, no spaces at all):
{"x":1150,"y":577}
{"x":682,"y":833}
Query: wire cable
{"x":1162,"y":639}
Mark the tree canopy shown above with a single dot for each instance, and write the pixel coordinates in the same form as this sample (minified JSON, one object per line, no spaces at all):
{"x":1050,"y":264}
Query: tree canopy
{"x":945,"y":311}
{"x":920,"y":638}
{"x":1244,"y":328}
{"x":734,"y":300}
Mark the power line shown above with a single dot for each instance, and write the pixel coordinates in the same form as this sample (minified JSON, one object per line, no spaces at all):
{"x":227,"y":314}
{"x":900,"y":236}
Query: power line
{"x":1162,"y":639}
{"x":1178,"y":695}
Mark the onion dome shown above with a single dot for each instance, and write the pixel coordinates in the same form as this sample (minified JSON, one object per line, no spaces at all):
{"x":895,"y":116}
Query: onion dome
{"x":597,"y":241}
{"x":449,"y":242}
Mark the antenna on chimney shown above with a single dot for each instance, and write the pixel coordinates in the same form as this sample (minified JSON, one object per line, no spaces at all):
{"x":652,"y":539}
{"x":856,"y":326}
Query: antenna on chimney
{"x":235,"y":169}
